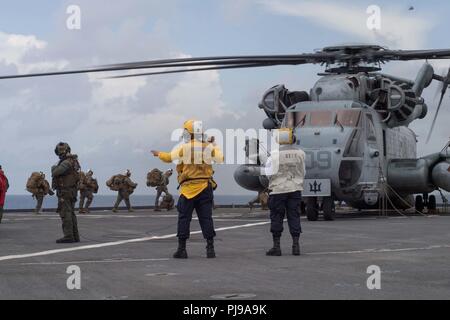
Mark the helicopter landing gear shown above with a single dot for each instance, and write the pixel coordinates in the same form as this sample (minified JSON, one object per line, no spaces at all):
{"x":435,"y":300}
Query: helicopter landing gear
{"x":328,"y":208}
{"x":312,"y":209}
{"x":419,"y":205}
{"x":426,"y":200}
{"x":431,"y":204}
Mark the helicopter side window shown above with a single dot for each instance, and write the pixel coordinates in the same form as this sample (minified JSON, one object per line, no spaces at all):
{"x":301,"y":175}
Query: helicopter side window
{"x":371,"y":135}
{"x":348,"y":118}
{"x":321,"y":118}
{"x":355,"y":145}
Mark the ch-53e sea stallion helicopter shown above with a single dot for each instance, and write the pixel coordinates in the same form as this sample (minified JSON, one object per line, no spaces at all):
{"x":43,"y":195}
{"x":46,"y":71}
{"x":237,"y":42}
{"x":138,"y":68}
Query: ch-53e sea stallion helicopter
{"x":353,"y":124}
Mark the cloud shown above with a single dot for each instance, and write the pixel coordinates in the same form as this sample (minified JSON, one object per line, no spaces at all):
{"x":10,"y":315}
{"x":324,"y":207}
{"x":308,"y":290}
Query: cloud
{"x":398,"y":28}
{"x":111,"y":124}
{"x":15,"y":47}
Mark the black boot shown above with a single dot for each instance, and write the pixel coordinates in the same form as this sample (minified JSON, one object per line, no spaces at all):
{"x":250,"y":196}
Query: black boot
{"x":76,"y":235}
{"x":210,"y":253}
{"x":296,"y":246}
{"x":276,"y":250}
{"x":181,"y":252}
{"x":66,"y":240}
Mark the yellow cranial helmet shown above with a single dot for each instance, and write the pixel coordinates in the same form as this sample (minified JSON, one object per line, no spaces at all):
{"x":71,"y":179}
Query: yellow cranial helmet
{"x":193,"y":126}
{"x":285,"y":136}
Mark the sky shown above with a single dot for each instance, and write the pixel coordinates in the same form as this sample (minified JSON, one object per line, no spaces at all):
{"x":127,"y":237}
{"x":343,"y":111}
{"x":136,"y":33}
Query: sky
{"x":113,"y":124}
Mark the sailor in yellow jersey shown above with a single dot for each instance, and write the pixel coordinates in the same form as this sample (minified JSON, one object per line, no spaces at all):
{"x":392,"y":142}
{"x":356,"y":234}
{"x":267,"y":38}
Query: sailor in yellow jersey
{"x":195,"y":177}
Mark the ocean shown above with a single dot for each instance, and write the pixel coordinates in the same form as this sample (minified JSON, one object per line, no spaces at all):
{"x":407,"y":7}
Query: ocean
{"x":18,"y":202}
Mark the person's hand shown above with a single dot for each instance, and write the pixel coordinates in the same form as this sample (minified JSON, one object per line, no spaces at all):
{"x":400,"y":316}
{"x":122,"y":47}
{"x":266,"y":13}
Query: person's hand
{"x":155,"y":153}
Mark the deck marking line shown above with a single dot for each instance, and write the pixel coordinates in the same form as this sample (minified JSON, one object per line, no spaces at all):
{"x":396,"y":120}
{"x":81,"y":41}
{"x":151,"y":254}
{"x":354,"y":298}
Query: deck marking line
{"x":444,"y":246}
{"x":118,"y":243}
{"x":92,"y":261}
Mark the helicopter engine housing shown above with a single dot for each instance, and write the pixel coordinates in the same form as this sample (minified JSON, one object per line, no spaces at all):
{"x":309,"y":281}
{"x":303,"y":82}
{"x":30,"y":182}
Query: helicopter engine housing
{"x":397,"y":100}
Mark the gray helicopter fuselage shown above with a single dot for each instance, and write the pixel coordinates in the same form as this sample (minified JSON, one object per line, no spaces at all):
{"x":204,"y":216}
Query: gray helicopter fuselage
{"x":354,"y":130}
{"x":346,"y":142}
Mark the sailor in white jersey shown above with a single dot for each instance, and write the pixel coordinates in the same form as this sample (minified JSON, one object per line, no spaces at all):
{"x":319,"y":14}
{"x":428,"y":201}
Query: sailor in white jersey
{"x":285,"y":169}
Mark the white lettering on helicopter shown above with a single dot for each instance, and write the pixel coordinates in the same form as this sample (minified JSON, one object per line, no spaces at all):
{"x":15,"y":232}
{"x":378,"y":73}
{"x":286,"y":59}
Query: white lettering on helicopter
{"x":374,"y":19}
{"x":73,"y":22}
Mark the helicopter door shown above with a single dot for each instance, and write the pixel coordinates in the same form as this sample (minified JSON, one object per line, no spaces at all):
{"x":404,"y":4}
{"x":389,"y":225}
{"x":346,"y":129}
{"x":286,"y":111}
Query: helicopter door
{"x":371,"y":169}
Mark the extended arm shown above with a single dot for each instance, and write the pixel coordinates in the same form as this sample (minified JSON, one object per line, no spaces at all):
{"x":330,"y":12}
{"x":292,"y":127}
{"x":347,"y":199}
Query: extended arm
{"x":168,"y":157}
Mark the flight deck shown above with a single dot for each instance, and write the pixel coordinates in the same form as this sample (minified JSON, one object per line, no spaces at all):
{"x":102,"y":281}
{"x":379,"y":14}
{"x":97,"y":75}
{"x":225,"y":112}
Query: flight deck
{"x":129,"y":256}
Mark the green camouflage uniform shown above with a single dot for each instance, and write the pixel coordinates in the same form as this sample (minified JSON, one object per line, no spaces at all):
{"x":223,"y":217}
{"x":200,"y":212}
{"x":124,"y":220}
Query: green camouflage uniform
{"x":88,"y":187}
{"x":65,"y":181}
{"x":126,"y":188}
{"x":43,"y":189}
{"x":162,"y":188}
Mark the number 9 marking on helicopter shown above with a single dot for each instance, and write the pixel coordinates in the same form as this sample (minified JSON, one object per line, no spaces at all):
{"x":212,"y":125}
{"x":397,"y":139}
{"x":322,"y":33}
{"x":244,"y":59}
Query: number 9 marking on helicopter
{"x":320,"y":160}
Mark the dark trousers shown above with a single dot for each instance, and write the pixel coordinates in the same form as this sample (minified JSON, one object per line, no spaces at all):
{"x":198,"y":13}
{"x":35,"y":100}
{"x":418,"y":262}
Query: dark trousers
{"x":203,"y":205}
{"x":66,"y":210}
{"x":281,"y":205}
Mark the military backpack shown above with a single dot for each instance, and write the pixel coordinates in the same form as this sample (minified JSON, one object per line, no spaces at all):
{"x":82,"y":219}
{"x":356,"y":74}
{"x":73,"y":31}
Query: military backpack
{"x":154,"y":178}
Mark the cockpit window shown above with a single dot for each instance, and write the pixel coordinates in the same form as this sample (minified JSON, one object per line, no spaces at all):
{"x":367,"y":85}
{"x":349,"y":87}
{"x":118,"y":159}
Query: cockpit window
{"x":321,"y":118}
{"x":300,"y":119}
{"x":348,"y":118}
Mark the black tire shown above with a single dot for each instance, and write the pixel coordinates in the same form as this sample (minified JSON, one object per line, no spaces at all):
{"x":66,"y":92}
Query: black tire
{"x":419,"y":203}
{"x":328,"y":208}
{"x":312,"y":209}
{"x":431,"y":202}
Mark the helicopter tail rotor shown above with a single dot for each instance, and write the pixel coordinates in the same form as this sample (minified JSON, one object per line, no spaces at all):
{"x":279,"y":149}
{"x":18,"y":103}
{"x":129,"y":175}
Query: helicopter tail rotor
{"x":445,"y":83}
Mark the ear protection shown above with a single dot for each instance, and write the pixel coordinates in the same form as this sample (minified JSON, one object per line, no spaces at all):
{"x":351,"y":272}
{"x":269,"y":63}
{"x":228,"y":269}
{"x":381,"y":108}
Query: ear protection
{"x":285,"y":136}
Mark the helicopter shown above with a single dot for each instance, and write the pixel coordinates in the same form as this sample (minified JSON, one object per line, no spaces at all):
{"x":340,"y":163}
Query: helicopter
{"x":353,"y":124}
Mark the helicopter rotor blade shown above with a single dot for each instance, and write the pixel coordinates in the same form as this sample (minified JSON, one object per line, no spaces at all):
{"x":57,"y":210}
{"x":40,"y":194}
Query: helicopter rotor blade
{"x":312,"y":58}
{"x":435,"y":118}
{"x":445,"y":84}
{"x":191,"y":62}
{"x":238,"y":66}
{"x":347,"y":55}
{"x":406,"y":55}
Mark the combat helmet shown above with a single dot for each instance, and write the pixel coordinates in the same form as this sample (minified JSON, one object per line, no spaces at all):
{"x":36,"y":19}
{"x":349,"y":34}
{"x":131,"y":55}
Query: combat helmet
{"x":62,"y":149}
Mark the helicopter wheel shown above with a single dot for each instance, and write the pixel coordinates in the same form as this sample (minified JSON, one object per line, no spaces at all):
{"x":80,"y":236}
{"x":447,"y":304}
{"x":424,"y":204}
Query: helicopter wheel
{"x":312,"y":209}
{"x":419,"y":203}
{"x":328,"y":208}
{"x":431,"y":204}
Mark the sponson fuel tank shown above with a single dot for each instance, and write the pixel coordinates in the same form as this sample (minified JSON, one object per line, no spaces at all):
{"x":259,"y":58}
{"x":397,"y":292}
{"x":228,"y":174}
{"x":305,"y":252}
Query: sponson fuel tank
{"x":422,"y":175}
{"x":441,"y":175}
{"x":249,"y":176}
